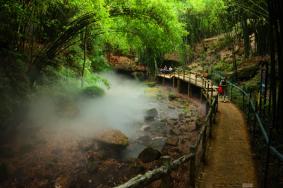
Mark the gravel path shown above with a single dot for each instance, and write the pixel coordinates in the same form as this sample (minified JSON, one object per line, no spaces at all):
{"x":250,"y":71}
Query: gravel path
{"x":230,"y":163}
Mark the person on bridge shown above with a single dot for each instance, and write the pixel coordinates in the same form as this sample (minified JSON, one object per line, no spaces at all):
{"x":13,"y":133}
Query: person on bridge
{"x":170,"y":69}
{"x":223,"y":84}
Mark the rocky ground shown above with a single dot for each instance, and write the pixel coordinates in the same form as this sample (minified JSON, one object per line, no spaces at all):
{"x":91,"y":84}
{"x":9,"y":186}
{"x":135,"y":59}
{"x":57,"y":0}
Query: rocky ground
{"x":39,"y":157}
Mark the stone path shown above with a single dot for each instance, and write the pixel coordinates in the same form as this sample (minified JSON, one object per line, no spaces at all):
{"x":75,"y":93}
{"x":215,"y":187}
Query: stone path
{"x":230,"y":163}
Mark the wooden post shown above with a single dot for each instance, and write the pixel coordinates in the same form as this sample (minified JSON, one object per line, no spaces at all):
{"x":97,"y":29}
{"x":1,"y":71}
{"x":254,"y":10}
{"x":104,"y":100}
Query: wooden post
{"x":163,"y":81}
{"x":189,"y":90}
{"x":207,"y":92}
{"x":210,"y":124}
{"x":244,"y":102}
{"x":196,"y":79}
{"x":231,"y":95}
{"x":193,"y":167}
{"x":204,"y":144}
{"x":166,"y":181}
{"x":211,"y":91}
{"x":249,"y":107}
{"x":178,"y":85}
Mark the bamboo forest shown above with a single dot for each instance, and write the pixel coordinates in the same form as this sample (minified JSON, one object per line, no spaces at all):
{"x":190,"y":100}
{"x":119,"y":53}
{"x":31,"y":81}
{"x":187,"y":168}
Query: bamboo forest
{"x":141,"y":94}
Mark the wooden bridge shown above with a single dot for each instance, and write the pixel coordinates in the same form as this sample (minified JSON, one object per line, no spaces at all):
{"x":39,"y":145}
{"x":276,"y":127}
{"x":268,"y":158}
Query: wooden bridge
{"x":190,"y":83}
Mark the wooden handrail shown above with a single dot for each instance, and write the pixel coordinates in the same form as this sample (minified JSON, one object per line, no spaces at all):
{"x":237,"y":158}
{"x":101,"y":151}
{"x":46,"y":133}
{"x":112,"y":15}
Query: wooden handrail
{"x":150,"y":176}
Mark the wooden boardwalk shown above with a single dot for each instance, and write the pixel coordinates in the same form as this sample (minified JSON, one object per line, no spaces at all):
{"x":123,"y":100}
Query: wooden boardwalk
{"x":209,"y":89}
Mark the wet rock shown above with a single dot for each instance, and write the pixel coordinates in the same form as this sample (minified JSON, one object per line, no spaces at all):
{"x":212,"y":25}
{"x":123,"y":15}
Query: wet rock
{"x":171,"y":122}
{"x":62,"y":182}
{"x":175,"y":131}
{"x":149,"y":154}
{"x":172,"y":141}
{"x":150,"y":114}
{"x":158,"y":127}
{"x":163,"y":120}
{"x":157,"y":142}
{"x":145,"y":139}
{"x":112,"y":138}
{"x":181,"y":116}
{"x":198,"y":124}
{"x":171,"y":106}
{"x":145,"y":128}
{"x":188,"y":115}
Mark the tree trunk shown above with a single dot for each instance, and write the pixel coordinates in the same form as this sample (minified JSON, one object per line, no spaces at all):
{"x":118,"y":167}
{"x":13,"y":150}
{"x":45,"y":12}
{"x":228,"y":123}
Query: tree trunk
{"x":261,"y":39}
{"x":85,"y":49}
{"x":246,"y":37}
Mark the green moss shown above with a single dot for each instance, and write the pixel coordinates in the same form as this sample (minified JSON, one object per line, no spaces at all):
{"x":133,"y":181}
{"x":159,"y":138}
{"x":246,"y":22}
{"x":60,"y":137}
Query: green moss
{"x":172,"y":96}
{"x":92,"y":92}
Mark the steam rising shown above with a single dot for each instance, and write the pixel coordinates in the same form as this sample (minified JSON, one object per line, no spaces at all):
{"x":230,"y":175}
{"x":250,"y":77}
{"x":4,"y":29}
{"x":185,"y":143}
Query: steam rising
{"x":121,"y":108}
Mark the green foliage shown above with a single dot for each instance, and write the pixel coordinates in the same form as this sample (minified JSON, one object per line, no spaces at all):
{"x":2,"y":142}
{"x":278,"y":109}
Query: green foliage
{"x":224,"y":42}
{"x":223,"y":66}
{"x":203,"y":18}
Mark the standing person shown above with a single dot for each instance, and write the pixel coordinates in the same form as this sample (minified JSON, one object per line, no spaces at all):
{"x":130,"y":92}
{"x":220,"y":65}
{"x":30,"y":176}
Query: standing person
{"x":170,"y":69}
{"x":223,"y":84}
{"x":220,"y":90}
{"x":165,"y":69}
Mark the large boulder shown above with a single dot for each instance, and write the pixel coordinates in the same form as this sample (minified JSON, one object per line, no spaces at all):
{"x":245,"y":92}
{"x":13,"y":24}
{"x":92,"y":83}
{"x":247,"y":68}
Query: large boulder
{"x":150,"y":114}
{"x":149,"y":154}
{"x":92,"y":92}
{"x":112,"y":138}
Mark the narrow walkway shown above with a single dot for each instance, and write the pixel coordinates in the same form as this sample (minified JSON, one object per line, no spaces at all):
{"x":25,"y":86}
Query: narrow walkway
{"x":230,"y":163}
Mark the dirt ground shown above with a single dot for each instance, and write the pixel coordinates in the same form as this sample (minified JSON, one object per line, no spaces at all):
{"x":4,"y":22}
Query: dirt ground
{"x":230,"y":162}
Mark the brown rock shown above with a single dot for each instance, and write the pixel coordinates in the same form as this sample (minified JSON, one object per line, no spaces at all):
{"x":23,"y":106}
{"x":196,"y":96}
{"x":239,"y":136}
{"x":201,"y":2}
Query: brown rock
{"x":112,"y":137}
{"x":173,"y":141}
{"x":62,"y":182}
{"x":149,"y":154}
{"x":175,"y":131}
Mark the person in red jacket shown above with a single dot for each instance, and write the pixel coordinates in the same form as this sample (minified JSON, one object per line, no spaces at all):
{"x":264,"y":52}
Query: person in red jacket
{"x":220,"y":90}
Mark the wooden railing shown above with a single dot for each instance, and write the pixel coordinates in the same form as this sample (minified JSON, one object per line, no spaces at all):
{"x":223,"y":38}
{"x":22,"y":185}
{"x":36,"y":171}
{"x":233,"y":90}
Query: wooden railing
{"x":195,"y":158}
{"x":209,"y":89}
